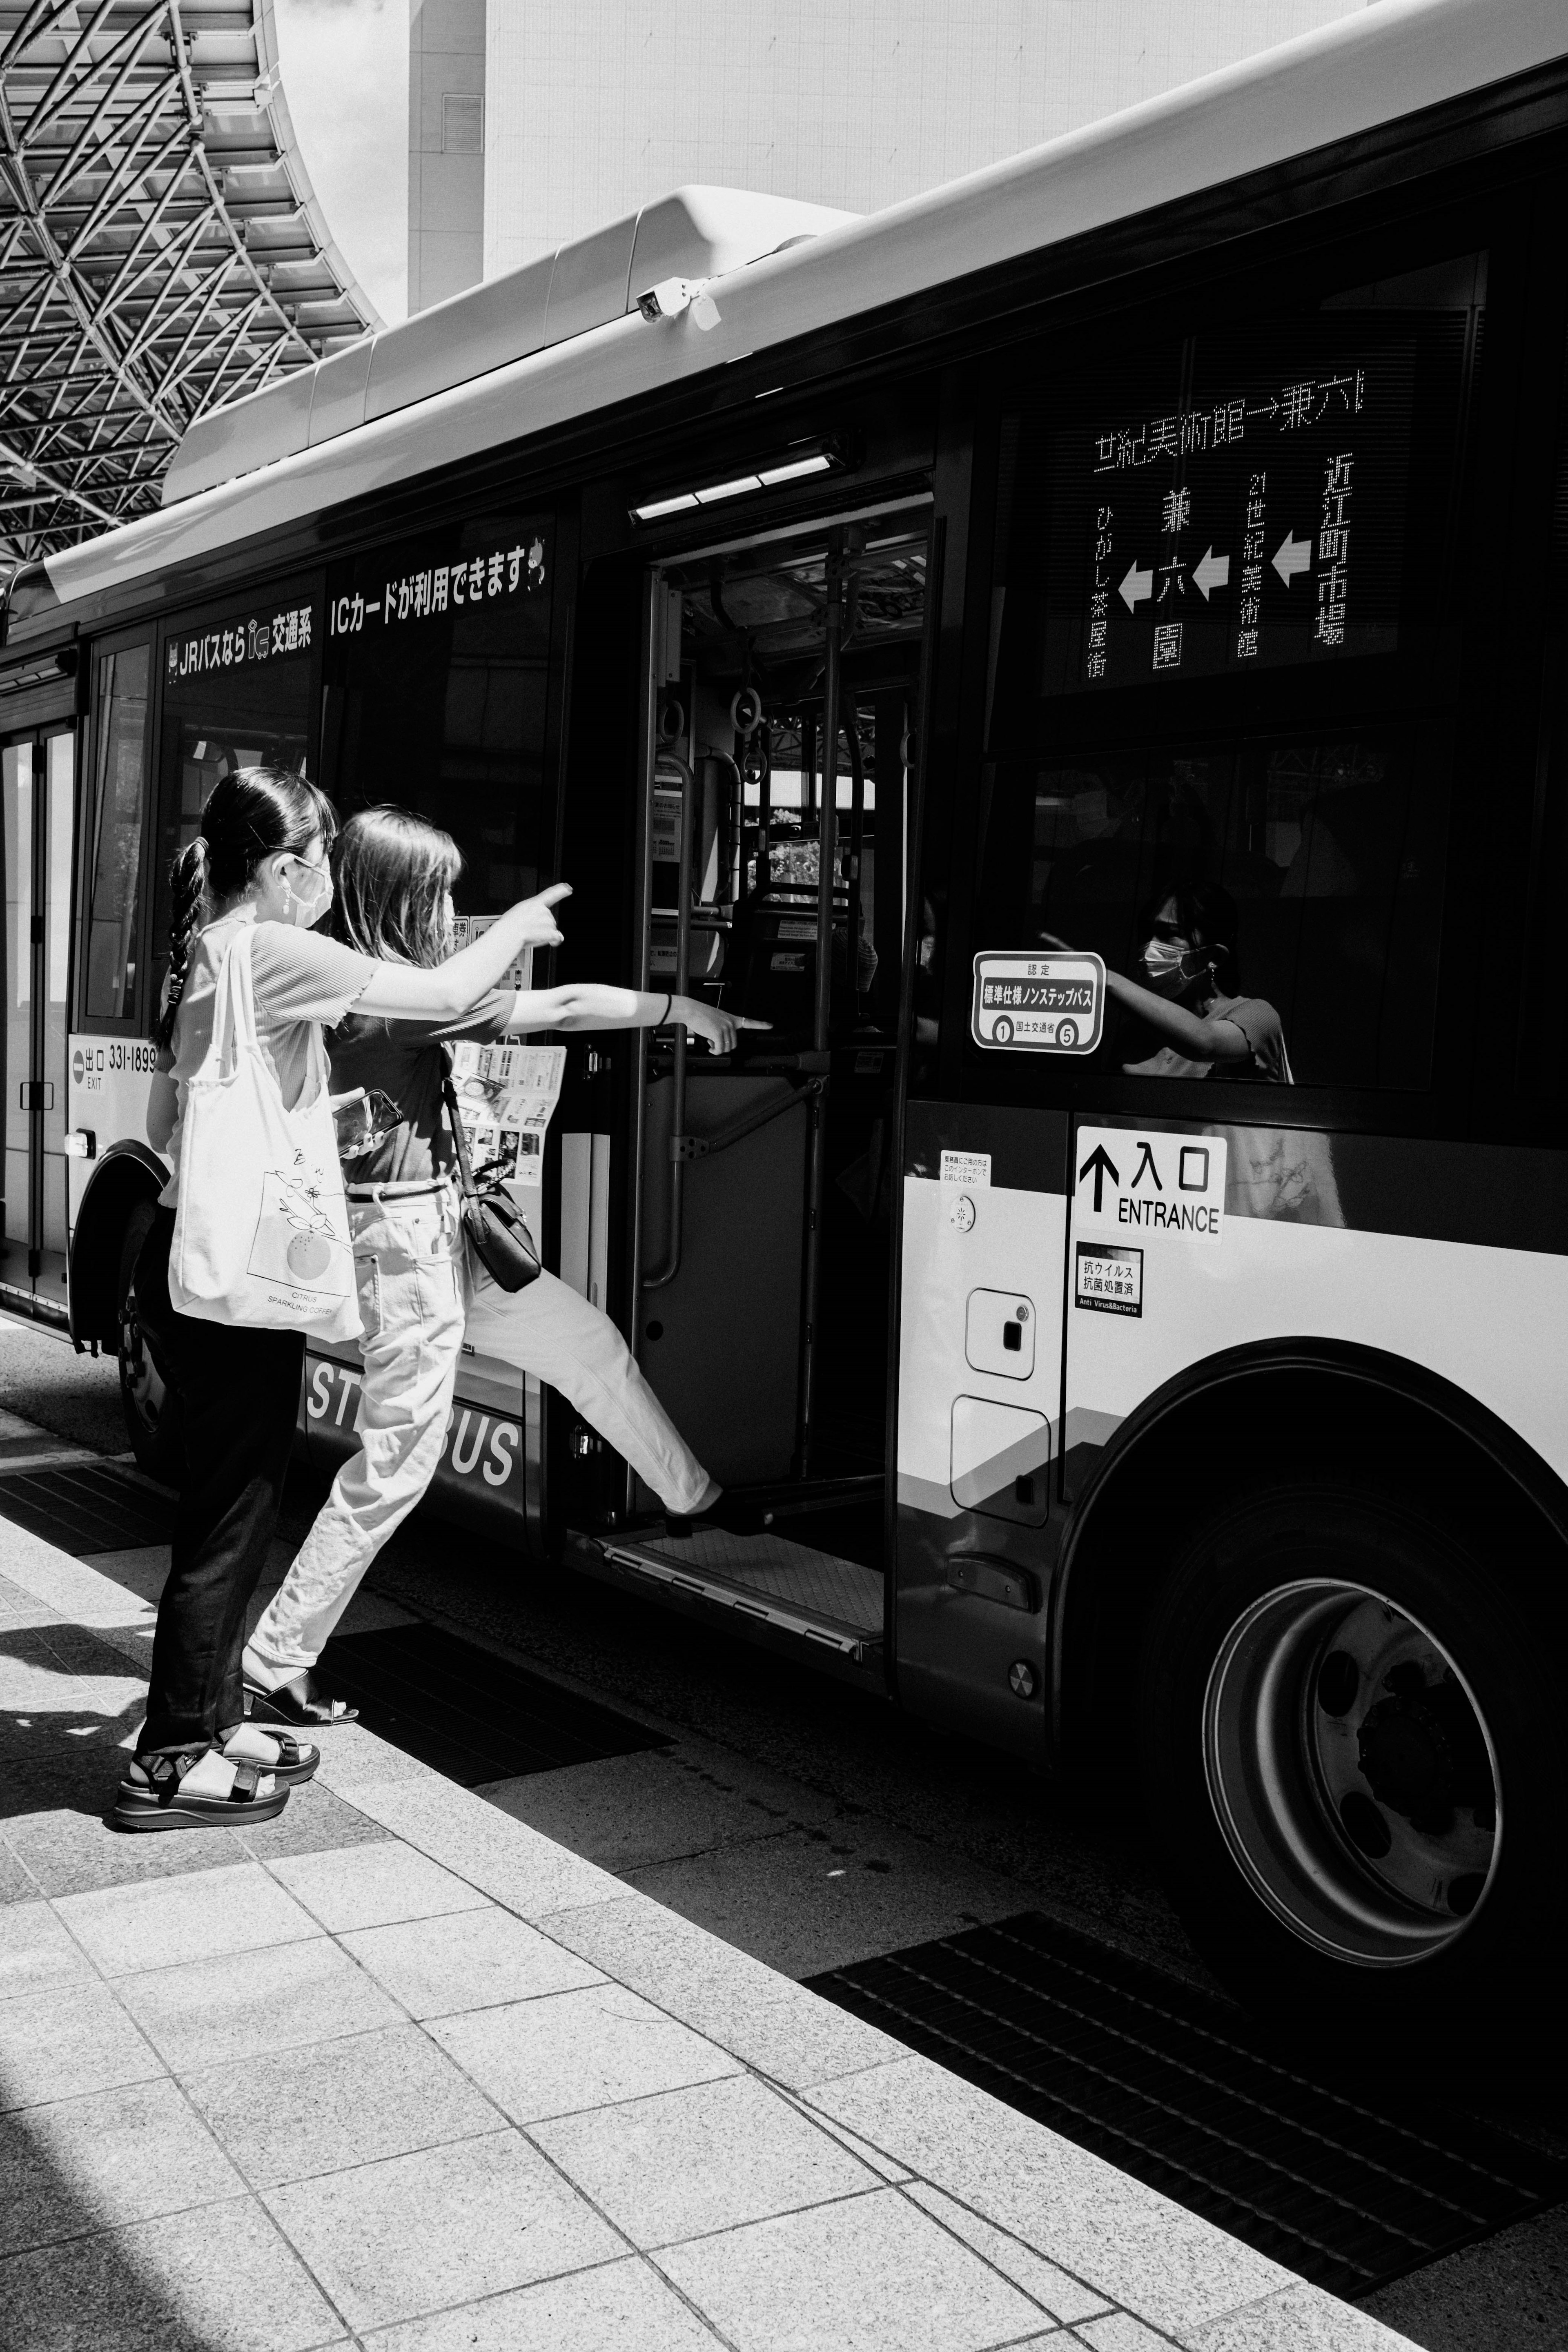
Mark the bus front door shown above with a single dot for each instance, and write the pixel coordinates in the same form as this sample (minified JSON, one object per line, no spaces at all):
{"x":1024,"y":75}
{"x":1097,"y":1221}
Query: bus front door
{"x":782,"y":689}
{"x":37,"y":777}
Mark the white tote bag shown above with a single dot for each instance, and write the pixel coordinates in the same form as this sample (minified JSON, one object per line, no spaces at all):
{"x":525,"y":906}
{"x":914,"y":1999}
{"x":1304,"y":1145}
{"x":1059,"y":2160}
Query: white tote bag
{"x":261,"y":1233}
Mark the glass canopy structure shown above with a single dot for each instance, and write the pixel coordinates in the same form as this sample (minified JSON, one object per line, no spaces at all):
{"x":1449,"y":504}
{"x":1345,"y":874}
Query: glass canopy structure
{"x":162,"y":251}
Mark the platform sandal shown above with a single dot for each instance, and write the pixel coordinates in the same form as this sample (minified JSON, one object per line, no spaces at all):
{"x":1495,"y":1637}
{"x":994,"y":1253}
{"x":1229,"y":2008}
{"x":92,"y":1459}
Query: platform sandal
{"x":153,"y":1795}
{"x":296,"y":1701}
{"x":295,"y":1763}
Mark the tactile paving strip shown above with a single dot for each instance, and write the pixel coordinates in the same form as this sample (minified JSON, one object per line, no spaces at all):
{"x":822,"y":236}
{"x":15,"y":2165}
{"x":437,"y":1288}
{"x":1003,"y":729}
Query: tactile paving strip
{"x":87,"y":1508}
{"x":469,"y":1714}
{"x":1344,"y":2186}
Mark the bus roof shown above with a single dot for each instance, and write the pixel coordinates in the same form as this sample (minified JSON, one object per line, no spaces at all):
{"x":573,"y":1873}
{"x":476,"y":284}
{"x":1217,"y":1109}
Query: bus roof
{"x":1393,"y":60}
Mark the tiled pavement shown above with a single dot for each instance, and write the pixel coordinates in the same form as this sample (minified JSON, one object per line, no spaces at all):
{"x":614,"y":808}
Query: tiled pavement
{"x":396,"y":2070}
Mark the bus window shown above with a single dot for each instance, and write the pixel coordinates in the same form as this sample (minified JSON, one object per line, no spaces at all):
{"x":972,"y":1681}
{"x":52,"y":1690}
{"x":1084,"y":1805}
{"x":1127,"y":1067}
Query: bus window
{"x":236,"y":694}
{"x":1217,"y":678}
{"x":437,"y":691}
{"x":119,"y":817}
{"x":1317,"y":852}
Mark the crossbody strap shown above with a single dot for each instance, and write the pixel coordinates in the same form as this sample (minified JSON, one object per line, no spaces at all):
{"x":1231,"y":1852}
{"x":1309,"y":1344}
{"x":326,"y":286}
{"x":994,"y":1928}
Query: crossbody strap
{"x":454,"y":1120}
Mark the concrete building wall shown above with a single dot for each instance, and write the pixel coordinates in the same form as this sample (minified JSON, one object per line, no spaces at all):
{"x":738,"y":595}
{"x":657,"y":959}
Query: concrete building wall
{"x":445,"y":149}
{"x":598,"y":105}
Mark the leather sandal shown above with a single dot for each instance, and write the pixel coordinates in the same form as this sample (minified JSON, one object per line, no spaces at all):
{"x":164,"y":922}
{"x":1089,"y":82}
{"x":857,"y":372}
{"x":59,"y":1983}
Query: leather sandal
{"x":298,"y":1760}
{"x":295,"y":1701}
{"x":152,"y":1795}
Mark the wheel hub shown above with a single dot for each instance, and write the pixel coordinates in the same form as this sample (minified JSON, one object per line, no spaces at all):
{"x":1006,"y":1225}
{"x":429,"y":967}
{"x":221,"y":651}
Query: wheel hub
{"x":1352,"y":1773}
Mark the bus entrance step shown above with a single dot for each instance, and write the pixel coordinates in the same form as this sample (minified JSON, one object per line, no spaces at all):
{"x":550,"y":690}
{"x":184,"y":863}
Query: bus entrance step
{"x":834,"y":1603}
{"x":1349,"y":2181}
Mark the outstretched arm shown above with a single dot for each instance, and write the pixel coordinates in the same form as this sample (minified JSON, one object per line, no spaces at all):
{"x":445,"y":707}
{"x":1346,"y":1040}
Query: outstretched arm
{"x":1192,"y":1034}
{"x":405,"y":991}
{"x":589,"y":1004}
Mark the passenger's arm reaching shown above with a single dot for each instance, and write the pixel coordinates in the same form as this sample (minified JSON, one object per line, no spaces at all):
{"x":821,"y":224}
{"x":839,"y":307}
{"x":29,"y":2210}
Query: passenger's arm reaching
{"x":589,"y":1004}
{"x":399,"y":992}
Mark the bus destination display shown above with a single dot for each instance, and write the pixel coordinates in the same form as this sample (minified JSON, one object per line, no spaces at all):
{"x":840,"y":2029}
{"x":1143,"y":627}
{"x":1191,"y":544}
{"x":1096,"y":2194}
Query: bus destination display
{"x":1256,"y":523}
{"x":1038,"y":1003}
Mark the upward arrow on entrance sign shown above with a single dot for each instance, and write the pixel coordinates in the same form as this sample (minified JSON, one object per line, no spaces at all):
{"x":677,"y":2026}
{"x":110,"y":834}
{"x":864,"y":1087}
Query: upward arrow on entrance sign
{"x":1101,"y":1165}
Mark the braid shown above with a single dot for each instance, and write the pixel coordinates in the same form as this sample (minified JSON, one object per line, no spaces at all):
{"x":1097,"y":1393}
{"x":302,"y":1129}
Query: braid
{"x":188,"y":881}
{"x":251,"y":814}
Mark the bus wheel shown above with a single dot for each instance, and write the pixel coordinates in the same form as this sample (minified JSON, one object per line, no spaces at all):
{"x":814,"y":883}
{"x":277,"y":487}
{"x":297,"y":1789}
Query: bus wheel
{"x":151,"y":1414}
{"x":1351,"y":1765}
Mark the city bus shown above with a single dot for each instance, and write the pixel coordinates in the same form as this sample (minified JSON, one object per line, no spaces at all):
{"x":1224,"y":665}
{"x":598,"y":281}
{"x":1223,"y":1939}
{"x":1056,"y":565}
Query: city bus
{"x":1147,"y":555}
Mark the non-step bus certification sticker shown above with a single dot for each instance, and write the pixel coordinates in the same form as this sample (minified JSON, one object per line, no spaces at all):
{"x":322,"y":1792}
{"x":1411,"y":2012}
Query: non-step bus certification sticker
{"x":1041,"y":1003}
{"x":1136,"y":1187}
{"x":1109,"y":1278}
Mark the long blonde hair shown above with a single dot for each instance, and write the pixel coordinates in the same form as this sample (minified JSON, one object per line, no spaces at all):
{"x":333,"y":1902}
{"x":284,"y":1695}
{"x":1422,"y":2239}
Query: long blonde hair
{"x":395,"y":873}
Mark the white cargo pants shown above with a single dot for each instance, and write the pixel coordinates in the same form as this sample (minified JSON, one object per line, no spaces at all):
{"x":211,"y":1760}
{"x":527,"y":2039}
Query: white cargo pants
{"x":414,"y":1305}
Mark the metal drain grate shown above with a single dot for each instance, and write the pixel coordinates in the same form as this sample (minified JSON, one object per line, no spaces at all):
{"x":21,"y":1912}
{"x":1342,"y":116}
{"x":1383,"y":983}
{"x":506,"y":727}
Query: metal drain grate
{"x":1170,"y":2086}
{"x":469,"y":1714}
{"x":87,"y":1507}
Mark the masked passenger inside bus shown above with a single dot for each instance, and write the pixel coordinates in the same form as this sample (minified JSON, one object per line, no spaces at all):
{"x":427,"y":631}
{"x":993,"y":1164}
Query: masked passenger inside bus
{"x":1188,"y":994}
{"x":420,"y":1292}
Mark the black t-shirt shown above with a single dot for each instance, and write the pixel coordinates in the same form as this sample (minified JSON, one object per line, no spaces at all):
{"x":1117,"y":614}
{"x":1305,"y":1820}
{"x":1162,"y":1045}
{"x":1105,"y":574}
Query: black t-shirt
{"x":405,"y":1059}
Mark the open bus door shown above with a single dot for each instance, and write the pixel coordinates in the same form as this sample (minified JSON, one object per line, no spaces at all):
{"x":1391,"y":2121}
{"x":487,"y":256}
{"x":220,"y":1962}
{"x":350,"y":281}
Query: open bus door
{"x":781,"y":691}
{"x":38,"y":779}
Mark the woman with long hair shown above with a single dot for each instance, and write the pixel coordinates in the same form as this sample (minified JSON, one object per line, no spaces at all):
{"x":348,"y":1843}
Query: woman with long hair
{"x":260,"y":858}
{"x":396,"y":876}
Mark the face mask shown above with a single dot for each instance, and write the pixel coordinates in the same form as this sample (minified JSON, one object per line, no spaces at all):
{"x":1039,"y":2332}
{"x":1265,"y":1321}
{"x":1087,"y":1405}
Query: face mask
{"x":309,"y":903}
{"x":1169,"y":970}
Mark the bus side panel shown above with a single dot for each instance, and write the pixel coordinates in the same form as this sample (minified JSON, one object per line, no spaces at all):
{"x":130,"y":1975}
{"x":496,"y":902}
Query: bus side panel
{"x":108,"y":1081}
{"x":979,"y":1416}
{"x":1302,"y":1260}
{"x":487,"y":1459}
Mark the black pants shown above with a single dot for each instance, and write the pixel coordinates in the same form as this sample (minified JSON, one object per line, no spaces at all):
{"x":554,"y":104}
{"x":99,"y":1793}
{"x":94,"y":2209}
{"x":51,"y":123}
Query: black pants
{"x":238,"y":1393}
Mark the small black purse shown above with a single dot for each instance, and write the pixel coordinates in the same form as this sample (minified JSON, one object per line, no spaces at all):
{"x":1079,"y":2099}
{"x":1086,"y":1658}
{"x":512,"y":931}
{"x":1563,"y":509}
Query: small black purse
{"x":493,"y":1224}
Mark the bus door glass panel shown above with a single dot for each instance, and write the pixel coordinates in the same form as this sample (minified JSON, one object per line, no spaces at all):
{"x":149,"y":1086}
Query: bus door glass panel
{"x":109,"y":1055}
{"x":238,"y":692}
{"x":21,"y":997}
{"x":770,"y":1356}
{"x":1219,"y":758}
{"x":39,"y":782}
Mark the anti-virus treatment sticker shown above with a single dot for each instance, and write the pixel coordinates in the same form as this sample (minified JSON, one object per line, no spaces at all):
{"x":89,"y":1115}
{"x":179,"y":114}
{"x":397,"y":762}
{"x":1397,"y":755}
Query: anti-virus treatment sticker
{"x":1110,"y":1279}
{"x":1037,"y":1004}
{"x":1127,"y":1185}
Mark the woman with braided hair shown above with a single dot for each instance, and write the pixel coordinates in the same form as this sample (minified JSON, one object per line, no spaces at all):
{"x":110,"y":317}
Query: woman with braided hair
{"x":260,"y":858}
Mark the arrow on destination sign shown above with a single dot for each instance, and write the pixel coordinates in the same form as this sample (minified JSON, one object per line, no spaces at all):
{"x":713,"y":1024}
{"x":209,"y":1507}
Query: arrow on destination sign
{"x":1212,"y":571}
{"x":1101,"y":1165}
{"x":1292,"y":555}
{"x":1136,"y":586}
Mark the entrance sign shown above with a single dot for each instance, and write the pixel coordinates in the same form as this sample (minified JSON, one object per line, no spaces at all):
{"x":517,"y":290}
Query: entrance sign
{"x":1127,"y":1185}
{"x":1042,"y":1004}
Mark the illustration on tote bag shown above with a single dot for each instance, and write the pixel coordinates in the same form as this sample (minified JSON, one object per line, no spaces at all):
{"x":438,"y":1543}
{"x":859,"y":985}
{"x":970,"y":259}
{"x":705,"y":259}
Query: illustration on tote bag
{"x":296,"y":1240}
{"x":261,"y":1229}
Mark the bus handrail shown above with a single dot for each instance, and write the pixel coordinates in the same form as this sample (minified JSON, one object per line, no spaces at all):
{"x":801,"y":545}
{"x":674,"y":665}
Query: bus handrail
{"x":684,"y":1147}
{"x":668,"y":1272}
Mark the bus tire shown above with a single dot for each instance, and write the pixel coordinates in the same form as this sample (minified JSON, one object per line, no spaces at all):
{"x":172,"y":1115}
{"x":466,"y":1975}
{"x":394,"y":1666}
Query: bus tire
{"x":150,"y":1409}
{"x":1351,"y":1762}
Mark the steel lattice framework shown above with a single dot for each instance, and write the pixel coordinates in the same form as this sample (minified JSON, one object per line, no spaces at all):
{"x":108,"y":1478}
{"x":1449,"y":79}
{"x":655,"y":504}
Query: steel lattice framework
{"x":161,"y":249}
